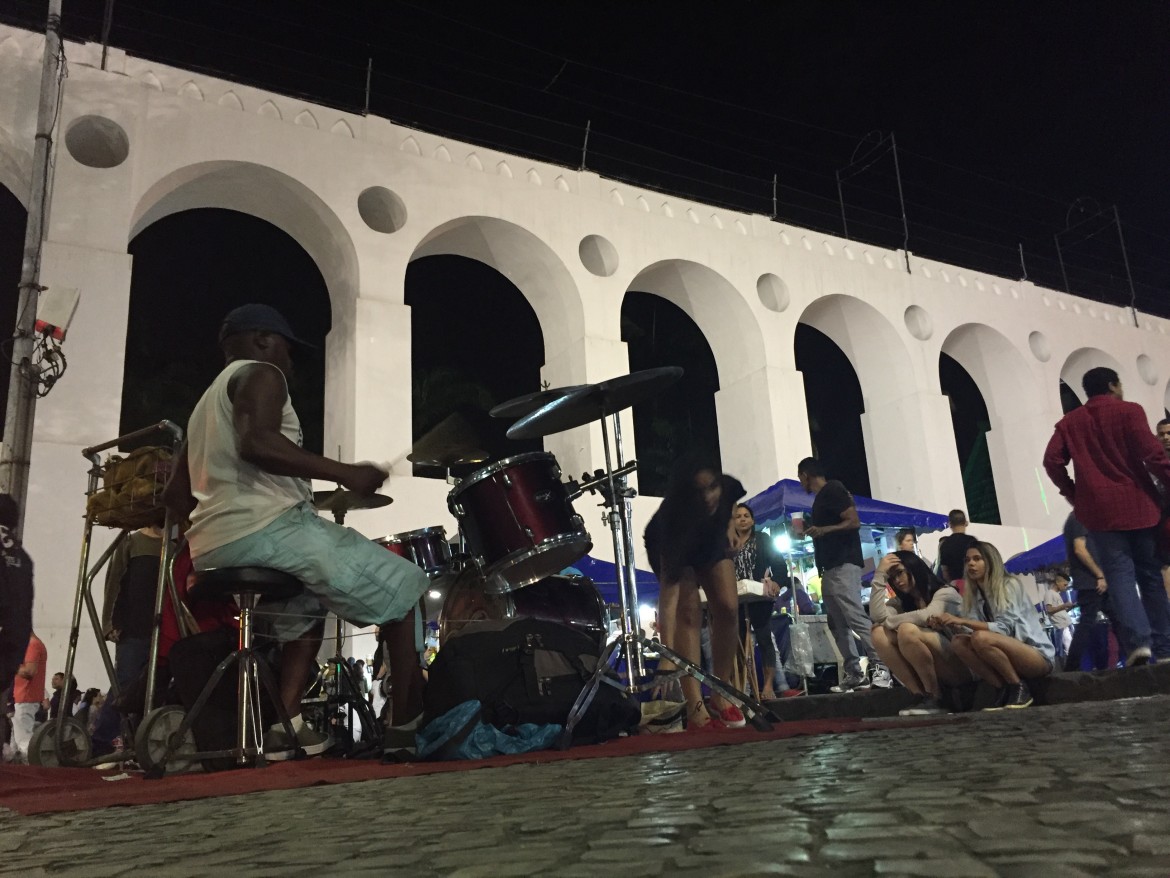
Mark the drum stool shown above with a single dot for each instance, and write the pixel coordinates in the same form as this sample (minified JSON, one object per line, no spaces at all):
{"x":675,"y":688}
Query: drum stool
{"x":248,"y":585}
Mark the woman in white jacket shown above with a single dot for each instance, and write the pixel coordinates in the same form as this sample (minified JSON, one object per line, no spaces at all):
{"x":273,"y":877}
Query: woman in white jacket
{"x":905,"y":595}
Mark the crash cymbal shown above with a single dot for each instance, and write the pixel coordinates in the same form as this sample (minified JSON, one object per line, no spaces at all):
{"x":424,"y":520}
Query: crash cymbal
{"x":530,"y":402}
{"x":448,"y":457}
{"x":594,"y":402}
{"x":344,"y":501}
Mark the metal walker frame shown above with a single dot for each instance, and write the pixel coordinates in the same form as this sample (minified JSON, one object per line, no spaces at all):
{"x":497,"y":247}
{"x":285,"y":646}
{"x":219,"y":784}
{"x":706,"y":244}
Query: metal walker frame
{"x":68,"y":755}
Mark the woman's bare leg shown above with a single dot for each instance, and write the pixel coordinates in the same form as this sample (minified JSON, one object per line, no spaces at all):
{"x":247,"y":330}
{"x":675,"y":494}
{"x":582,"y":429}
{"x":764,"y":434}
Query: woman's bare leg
{"x":967,"y":655}
{"x":1010,"y":658}
{"x":687,"y":644}
{"x":718,"y":582}
{"x":918,"y":655}
{"x":885,"y":642}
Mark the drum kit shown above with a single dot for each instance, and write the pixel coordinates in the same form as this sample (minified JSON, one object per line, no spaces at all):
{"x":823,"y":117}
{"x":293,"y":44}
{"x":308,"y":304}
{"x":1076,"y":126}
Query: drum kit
{"x":518,"y":531}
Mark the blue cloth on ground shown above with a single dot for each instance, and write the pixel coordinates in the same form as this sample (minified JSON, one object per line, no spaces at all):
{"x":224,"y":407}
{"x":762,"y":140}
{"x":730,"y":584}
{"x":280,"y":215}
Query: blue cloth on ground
{"x":482,"y":739}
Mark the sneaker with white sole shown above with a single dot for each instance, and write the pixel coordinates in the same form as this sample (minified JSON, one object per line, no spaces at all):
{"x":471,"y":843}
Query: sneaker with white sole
{"x":1018,"y":696}
{"x":851,"y":683}
{"x":1137,"y":658}
{"x":277,"y":747}
{"x":882,"y":678}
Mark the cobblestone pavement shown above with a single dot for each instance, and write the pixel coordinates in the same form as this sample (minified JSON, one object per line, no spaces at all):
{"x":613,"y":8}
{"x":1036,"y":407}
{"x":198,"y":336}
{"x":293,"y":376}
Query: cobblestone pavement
{"x":1066,"y":791}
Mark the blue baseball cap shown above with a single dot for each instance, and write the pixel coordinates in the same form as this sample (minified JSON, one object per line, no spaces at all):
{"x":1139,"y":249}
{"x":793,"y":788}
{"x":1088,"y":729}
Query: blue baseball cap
{"x":259,"y":318}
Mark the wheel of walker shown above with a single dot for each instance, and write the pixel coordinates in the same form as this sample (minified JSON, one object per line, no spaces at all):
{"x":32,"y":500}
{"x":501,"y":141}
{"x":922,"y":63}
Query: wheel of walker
{"x":156,"y":733}
{"x":75,"y":744}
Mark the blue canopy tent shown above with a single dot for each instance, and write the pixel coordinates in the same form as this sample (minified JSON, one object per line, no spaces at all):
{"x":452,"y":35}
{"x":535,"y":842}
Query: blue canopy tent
{"x":604,"y":576}
{"x":1047,"y":554}
{"x":786,"y":497}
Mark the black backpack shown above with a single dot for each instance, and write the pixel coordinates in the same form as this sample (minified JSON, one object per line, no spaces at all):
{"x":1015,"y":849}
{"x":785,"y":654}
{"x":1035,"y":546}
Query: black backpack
{"x":526,"y":671}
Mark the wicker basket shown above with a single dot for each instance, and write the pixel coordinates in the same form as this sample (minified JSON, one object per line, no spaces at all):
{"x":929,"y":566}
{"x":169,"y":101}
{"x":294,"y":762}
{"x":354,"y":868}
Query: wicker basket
{"x":132,"y":487}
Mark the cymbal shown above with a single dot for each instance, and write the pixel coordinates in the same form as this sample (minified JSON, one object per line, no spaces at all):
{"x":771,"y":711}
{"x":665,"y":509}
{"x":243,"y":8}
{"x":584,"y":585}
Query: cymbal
{"x":530,"y":402}
{"x":448,"y":457}
{"x":594,"y":402}
{"x":344,"y":501}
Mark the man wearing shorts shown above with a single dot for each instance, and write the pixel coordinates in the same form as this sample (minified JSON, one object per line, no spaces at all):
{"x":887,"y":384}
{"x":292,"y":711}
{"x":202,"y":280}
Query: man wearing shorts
{"x":243,"y":478}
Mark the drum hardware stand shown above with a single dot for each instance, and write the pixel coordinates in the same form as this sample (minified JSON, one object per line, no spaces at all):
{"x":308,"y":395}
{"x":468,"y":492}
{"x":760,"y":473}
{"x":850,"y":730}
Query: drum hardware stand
{"x":616,"y":496}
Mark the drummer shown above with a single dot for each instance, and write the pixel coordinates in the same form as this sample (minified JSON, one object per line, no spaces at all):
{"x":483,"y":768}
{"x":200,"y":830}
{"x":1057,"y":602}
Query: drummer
{"x":687,"y":544}
{"x":242,"y":477}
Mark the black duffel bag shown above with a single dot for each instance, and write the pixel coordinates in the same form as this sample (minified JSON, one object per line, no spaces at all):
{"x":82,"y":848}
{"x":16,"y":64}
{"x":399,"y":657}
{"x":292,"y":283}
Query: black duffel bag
{"x":526,"y":671}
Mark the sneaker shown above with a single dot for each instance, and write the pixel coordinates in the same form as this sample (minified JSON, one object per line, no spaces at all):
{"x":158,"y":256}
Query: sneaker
{"x":730,"y":717}
{"x":927,"y":705}
{"x":882,"y":678}
{"x":1137,"y":658}
{"x":278,"y":749}
{"x":662,"y":717}
{"x":851,"y":683}
{"x":1000,"y":699}
{"x":1018,"y":695}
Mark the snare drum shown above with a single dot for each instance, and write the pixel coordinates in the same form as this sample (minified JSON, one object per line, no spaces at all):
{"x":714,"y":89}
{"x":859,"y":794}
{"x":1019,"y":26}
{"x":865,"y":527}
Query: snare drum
{"x":426,"y":548}
{"x":570,"y":600}
{"x":518,"y":521}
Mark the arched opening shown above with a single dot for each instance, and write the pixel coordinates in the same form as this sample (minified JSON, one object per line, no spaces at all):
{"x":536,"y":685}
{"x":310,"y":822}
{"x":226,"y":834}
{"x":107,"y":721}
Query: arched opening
{"x":835,"y":404}
{"x":971,"y":424}
{"x":179,"y":294}
{"x":1069,"y":399}
{"x":13,"y":218}
{"x":1073,"y":371}
{"x":475,"y":342}
{"x":682,"y":419}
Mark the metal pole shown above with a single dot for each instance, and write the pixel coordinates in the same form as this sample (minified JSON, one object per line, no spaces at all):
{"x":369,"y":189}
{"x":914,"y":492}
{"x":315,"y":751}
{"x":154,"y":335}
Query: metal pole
{"x":775,"y":203}
{"x":841,"y":200}
{"x":902,"y":203}
{"x":1060,"y":258}
{"x":1125,"y":259}
{"x":369,"y":74}
{"x":22,"y":382}
{"x":107,"y":23}
{"x":1023,"y":267}
{"x":585,"y":145}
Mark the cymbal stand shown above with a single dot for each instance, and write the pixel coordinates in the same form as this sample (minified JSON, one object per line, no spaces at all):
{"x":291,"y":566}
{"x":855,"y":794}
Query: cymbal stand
{"x":616,"y":495}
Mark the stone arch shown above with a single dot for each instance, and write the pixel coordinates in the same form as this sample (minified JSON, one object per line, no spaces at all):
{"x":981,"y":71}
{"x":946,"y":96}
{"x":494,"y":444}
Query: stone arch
{"x":292,"y":207}
{"x":905,"y":425}
{"x":15,"y":168}
{"x":525,"y":260}
{"x":1081,"y":361}
{"x":1013,"y":399}
{"x":718,"y":309}
{"x":876,"y":351}
{"x":267,"y":194}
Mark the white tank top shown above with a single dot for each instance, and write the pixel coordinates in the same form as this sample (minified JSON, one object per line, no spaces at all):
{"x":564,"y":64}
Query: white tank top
{"x":234,"y":498}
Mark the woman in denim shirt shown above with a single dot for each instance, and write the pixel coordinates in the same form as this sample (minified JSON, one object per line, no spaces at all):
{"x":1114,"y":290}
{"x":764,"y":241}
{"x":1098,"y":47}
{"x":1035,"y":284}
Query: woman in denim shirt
{"x":999,"y":636}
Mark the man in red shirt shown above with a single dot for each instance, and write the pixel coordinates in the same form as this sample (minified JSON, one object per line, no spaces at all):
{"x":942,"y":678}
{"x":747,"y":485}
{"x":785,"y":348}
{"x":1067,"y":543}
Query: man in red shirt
{"x":28,"y":691}
{"x":1110,"y":443}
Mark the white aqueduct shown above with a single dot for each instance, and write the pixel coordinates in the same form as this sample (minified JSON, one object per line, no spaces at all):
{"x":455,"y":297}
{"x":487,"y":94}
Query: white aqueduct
{"x":363,"y":196}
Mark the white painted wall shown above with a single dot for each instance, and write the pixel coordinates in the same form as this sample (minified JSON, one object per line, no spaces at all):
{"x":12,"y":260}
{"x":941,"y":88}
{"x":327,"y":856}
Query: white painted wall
{"x":574,"y":243}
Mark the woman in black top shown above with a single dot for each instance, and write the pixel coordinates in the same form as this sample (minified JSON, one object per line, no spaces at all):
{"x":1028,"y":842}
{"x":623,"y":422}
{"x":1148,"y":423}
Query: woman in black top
{"x":686,"y":542}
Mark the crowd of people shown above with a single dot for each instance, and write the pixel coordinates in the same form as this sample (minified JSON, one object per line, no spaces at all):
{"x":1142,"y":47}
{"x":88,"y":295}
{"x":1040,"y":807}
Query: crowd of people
{"x":964,"y":620}
{"x":242,"y":479}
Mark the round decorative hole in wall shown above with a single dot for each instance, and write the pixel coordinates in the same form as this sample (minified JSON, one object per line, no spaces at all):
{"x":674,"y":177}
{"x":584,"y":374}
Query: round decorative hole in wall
{"x":1041,"y":349}
{"x":97,"y":142}
{"x":919,"y":322}
{"x":773,"y":292}
{"x":598,"y":255}
{"x":1147,"y":370}
{"x":382,"y":210}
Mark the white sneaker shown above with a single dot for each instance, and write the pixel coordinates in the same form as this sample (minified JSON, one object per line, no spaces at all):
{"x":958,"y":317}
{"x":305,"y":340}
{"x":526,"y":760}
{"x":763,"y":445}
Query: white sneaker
{"x":882,"y":678}
{"x":277,"y":747}
{"x":1137,"y":658}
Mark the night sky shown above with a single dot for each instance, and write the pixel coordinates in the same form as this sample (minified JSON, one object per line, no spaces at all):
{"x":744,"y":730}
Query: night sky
{"x":1011,"y":122}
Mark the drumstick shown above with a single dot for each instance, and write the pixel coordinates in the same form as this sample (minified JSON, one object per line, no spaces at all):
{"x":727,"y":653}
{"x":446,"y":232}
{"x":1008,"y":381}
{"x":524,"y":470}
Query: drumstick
{"x":388,"y":465}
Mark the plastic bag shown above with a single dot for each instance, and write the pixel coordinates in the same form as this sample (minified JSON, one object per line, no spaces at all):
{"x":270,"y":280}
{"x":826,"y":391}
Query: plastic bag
{"x":460,"y":733}
{"x":801,"y":661}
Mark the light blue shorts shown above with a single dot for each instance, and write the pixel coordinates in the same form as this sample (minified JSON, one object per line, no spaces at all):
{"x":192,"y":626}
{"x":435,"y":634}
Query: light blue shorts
{"x":341,"y":571}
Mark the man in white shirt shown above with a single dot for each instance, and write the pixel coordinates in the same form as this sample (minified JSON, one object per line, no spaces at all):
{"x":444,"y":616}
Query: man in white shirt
{"x":243,"y":478}
{"x":1056,"y":608}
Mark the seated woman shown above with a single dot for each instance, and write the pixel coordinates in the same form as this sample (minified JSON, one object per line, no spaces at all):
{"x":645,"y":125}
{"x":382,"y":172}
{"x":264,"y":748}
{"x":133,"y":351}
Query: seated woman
{"x":757,"y":559}
{"x":999,"y":635}
{"x":686,"y":542}
{"x":905,"y":595}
